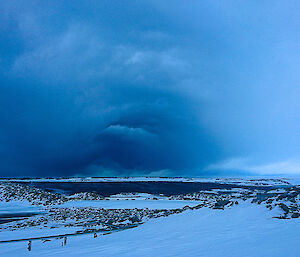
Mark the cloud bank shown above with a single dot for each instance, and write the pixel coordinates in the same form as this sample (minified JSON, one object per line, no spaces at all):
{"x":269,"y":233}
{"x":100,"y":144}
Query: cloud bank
{"x":148,"y":87}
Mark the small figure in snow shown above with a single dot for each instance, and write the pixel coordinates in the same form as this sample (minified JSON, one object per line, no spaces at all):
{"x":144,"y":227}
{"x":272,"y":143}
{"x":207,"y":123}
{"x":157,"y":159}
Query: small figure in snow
{"x":95,"y":235}
{"x":65,"y":241}
{"x":29,"y":246}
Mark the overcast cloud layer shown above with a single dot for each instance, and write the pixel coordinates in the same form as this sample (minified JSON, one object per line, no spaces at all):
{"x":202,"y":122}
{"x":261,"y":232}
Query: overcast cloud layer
{"x":149,"y":87}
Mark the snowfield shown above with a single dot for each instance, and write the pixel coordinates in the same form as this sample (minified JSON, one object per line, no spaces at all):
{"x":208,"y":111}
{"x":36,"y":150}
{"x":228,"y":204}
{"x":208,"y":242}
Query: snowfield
{"x":129,"y":204}
{"x":244,"y":230}
{"x":216,"y":222}
{"x":18,"y":207}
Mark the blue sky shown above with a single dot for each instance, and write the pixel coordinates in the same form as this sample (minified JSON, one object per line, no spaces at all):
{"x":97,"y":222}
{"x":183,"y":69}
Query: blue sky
{"x":194,"y":88}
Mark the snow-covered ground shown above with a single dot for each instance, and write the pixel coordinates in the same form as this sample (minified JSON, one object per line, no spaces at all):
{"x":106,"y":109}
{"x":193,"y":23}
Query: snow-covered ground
{"x":217,"y":222}
{"x":15,"y":207}
{"x":34,"y":233}
{"x":243,"y":230}
{"x":129,"y":204}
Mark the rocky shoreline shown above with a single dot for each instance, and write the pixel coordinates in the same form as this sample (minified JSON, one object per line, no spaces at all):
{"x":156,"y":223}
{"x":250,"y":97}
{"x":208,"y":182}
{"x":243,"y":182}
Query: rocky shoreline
{"x":286,"y":199}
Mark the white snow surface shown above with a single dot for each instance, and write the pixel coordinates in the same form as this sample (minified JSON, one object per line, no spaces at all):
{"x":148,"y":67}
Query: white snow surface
{"x":129,"y":204}
{"x":14,"y":207}
{"x":35,"y":232}
{"x":243,"y":230}
{"x":135,"y":195}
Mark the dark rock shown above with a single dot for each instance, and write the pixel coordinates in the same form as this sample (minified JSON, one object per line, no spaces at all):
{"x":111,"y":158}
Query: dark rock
{"x":134,"y":219}
{"x":186,"y":207}
{"x":284,"y":207}
{"x":295,"y":215}
{"x":221,"y":203}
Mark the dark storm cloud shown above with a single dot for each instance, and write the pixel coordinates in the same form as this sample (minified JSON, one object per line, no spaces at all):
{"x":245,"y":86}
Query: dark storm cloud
{"x":78,"y":98}
{"x":140,"y":87}
{"x":56,"y":132}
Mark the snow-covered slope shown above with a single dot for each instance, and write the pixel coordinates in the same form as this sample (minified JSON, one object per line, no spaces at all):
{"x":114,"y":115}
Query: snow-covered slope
{"x":218,"y":222}
{"x":243,"y":230}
